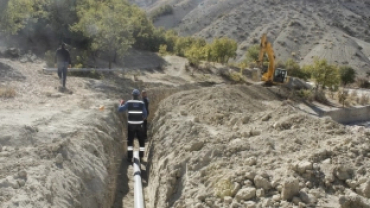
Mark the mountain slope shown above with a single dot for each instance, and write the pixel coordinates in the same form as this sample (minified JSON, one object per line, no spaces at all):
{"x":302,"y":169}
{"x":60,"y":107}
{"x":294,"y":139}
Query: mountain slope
{"x":337,"y":30}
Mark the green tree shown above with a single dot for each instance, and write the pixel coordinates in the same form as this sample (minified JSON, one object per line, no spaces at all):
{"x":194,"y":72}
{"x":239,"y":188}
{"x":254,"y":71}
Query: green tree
{"x":109,"y":25}
{"x":162,"y":50}
{"x":195,"y":53}
{"x":324,"y":74}
{"x":252,"y":56}
{"x":252,"y":53}
{"x":171,"y":37}
{"x":295,"y":70}
{"x":347,"y":75}
{"x":182,"y":44}
{"x":223,"y":49}
{"x":20,"y":13}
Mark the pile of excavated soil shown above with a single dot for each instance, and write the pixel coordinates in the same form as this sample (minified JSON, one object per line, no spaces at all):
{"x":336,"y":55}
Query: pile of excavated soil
{"x":242,"y":146}
{"x":59,"y":158}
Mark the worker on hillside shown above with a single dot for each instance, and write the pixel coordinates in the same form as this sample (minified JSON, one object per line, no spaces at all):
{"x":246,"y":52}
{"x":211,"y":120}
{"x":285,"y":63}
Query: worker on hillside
{"x":146,"y":102}
{"x":137,"y":113}
{"x":62,"y":62}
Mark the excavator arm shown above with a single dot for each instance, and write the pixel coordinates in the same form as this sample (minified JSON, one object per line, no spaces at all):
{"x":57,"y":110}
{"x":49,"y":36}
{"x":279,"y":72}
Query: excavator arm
{"x":266,"y":48}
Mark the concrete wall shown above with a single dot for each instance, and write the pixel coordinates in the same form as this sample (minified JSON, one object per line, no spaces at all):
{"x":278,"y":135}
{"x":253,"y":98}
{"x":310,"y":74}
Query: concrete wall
{"x":349,"y":115}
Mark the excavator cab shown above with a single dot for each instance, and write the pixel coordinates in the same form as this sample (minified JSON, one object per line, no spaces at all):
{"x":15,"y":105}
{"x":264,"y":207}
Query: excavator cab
{"x":280,"y":75}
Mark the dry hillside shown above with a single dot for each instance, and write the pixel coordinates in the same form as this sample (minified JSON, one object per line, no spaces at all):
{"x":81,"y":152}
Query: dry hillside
{"x":337,"y":30}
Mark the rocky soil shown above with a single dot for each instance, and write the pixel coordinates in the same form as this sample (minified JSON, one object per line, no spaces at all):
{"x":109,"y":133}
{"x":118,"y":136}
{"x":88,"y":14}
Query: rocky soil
{"x":246,"y":147}
{"x":335,"y":30}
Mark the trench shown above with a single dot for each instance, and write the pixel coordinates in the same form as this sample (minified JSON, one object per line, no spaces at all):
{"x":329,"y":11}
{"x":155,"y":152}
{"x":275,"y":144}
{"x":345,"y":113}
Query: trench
{"x":121,"y":193}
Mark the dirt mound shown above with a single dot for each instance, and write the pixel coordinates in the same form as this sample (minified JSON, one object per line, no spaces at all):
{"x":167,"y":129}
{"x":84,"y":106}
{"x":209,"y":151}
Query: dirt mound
{"x":243,"y":147}
{"x":39,"y":147}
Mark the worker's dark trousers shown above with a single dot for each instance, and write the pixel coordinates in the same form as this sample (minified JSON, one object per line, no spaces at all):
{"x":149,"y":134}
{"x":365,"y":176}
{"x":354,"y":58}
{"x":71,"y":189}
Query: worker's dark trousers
{"x":135,"y":130}
{"x":145,"y":129}
{"x":62,"y":72}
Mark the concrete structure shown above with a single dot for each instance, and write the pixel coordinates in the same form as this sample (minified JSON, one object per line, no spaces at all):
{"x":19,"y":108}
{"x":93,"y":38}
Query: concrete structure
{"x":349,"y":115}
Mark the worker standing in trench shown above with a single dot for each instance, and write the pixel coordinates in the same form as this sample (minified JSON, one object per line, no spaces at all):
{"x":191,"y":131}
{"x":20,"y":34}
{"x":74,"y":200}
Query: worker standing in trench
{"x":137,"y":113}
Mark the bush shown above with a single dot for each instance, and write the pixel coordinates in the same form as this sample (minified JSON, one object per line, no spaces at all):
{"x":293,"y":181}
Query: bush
{"x":162,"y":50}
{"x":306,"y":94}
{"x":363,"y":83}
{"x":236,"y":77}
{"x":295,"y":70}
{"x":162,"y":11}
{"x":347,"y":75}
{"x":324,"y":74}
{"x":80,"y":60}
{"x":320,"y":96}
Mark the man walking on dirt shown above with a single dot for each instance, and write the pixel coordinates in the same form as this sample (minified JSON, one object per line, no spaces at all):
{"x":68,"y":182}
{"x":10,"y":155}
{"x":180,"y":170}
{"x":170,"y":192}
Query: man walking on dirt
{"x":136,"y":114}
{"x":146,"y":102}
{"x":62,"y":61}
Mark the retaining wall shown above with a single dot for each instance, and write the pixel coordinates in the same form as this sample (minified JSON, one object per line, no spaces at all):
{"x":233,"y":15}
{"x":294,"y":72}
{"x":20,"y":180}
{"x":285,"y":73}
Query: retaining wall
{"x":349,"y":115}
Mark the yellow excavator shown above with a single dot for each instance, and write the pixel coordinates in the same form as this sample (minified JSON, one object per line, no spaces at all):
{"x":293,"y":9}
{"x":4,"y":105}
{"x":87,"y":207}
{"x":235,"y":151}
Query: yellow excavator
{"x":272,"y":76}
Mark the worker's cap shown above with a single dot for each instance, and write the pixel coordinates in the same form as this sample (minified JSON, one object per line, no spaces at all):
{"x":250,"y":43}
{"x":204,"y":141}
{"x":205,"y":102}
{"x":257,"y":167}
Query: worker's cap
{"x":135,"y":92}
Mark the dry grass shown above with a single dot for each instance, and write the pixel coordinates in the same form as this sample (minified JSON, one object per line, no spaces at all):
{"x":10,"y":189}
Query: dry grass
{"x":7,"y":92}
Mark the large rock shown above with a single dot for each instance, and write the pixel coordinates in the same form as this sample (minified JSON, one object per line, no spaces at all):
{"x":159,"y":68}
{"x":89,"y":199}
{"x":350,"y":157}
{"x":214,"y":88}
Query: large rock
{"x":303,"y":166}
{"x":245,"y":194}
{"x":262,"y":182}
{"x":290,"y":188}
{"x":343,"y":172}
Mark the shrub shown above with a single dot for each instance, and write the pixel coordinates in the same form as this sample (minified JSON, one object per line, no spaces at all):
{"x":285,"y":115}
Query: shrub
{"x":306,"y":94}
{"x":363,"y":83}
{"x":324,"y":74}
{"x":347,"y":75}
{"x":295,"y":70}
{"x":162,"y":49}
{"x":80,"y":60}
{"x":320,"y":96}
{"x":162,"y":11}
{"x":236,"y":77}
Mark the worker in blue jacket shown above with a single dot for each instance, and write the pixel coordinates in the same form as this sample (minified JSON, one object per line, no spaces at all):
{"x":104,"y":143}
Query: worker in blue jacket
{"x":137,"y":113}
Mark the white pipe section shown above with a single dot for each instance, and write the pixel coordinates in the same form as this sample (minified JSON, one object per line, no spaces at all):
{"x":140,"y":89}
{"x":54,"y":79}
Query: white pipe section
{"x":138,"y":189}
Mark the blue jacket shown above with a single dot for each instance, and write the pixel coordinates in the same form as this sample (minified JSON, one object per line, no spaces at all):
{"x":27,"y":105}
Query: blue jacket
{"x":123,"y":108}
